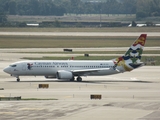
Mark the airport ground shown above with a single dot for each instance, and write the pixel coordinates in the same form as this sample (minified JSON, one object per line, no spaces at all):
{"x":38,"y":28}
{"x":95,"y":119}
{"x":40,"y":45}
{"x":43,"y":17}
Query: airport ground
{"x":127,"y":96}
{"x":132,"y":95}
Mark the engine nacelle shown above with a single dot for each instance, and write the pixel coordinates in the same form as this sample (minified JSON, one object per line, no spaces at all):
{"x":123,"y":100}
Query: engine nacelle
{"x":62,"y":74}
{"x":49,"y":77}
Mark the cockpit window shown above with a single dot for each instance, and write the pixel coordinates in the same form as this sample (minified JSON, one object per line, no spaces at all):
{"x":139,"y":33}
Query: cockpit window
{"x":13,"y":65}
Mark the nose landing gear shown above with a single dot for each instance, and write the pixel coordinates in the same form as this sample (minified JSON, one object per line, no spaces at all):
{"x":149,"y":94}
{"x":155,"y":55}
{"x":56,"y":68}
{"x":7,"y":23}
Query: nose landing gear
{"x":18,"y":79}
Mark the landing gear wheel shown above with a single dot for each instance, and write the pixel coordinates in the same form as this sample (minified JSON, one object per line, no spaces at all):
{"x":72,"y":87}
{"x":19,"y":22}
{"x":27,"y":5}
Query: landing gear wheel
{"x":79,"y":79}
{"x":18,"y":80}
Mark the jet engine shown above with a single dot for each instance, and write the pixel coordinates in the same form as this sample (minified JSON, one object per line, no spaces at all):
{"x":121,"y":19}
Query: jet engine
{"x":62,"y":74}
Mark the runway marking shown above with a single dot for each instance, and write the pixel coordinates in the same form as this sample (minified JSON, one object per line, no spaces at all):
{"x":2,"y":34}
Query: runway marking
{"x":8,"y":113}
{"x":2,"y":96}
{"x":133,"y":79}
{"x":31,"y":109}
{"x":68,"y":97}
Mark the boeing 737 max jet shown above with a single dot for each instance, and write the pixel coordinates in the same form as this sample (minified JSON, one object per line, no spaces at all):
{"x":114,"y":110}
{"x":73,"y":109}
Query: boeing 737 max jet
{"x":69,"y":69}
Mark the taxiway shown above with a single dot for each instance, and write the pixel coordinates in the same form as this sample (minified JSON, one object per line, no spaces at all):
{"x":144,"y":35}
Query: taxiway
{"x":128,"y":96}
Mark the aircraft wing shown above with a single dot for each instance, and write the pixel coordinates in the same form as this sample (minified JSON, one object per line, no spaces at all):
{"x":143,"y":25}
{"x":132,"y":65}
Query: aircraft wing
{"x":87,"y":71}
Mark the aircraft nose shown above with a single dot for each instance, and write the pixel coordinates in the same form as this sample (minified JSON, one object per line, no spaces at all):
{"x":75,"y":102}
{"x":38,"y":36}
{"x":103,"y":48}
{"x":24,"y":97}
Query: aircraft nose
{"x":7,"y":70}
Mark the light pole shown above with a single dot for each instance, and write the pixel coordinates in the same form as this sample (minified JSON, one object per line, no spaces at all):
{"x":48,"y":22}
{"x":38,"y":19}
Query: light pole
{"x":100,"y":25}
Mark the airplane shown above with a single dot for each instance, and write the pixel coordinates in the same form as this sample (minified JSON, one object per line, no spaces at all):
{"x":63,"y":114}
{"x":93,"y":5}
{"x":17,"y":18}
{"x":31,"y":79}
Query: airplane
{"x":69,"y":69}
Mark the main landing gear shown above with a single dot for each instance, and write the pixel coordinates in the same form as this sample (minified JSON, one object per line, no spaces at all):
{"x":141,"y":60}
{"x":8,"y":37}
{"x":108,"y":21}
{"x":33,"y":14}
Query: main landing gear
{"x":79,"y":79}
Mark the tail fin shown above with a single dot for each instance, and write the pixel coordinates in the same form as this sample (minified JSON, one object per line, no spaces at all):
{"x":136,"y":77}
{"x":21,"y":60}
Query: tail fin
{"x":132,"y":58}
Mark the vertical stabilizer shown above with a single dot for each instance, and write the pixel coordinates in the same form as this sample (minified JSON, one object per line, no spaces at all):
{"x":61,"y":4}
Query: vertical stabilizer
{"x":132,"y":58}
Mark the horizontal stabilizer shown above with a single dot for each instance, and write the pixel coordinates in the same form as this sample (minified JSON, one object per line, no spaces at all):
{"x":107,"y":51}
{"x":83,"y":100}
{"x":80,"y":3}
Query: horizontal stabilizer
{"x":136,"y":65}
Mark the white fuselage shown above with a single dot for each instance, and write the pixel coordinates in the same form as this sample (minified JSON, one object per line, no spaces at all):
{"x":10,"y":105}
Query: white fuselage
{"x":51,"y":67}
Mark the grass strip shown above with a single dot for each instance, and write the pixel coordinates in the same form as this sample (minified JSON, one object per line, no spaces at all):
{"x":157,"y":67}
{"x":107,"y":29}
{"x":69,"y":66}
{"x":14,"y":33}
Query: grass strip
{"x":70,"y":41}
{"x":38,"y":99}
